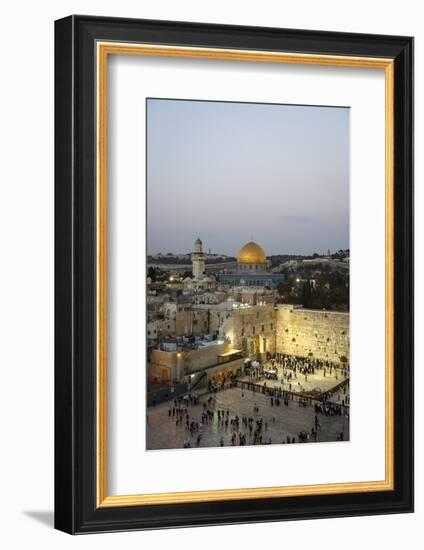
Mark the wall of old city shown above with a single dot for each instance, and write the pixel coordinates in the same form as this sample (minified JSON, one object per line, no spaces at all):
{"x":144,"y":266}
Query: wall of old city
{"x":223,"y":368}
{"x":214,"y":314}
{"x":160,"y":328}
{"x":254,"y":330}
{"x":249,"y":326}
{"x":200,"y":322}
{"x":183,"y":323}
{"x":305,"y":332}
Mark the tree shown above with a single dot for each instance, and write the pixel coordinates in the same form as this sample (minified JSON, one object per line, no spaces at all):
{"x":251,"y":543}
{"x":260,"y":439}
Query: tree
{"x":306,"y":294}
{"x":152,"y":274}
{"x":284,"y":290}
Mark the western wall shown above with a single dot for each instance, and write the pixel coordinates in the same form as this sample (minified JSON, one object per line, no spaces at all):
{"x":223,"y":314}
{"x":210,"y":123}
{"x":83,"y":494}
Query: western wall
{"x":252,"y":329}
{"x":264,"y":329}
{"x":306,"y":332}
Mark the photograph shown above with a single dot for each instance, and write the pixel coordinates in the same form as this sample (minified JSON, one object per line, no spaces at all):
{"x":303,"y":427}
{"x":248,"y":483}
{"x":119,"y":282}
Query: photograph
{"x":233,"y":271}
{"x":247,"y":274}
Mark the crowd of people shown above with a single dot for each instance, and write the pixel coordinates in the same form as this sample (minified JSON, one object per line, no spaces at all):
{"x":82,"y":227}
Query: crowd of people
{"x":293,"y":371}
{"x":308,"y":365}
{"x":252,"y":429}
{"x":234,"y":429}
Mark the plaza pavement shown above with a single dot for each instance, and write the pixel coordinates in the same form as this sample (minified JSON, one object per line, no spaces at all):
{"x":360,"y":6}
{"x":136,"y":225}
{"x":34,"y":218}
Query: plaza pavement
{"x":283,"y":421}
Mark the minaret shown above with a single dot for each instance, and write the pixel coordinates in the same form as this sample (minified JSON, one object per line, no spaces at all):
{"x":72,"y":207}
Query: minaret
{"x":198,"y":260}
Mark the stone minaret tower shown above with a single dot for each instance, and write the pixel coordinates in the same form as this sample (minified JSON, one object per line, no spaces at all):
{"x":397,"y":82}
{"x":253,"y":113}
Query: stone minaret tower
{"x":198,"y":260}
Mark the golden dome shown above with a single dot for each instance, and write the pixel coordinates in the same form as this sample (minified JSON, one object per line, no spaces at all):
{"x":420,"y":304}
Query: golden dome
{"x":252,"y":253}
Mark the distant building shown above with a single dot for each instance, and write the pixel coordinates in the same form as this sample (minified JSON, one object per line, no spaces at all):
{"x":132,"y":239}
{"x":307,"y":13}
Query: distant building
{"x":198,"y":260}
{"x":253,"y":269}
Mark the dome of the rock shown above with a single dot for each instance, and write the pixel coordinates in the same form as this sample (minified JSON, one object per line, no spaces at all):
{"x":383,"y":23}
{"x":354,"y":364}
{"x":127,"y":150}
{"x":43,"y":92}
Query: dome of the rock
{"x":252,"y":253}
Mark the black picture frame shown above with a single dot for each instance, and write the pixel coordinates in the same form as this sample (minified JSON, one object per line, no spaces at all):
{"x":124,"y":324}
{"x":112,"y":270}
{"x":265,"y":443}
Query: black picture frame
{"x":76,"y":510}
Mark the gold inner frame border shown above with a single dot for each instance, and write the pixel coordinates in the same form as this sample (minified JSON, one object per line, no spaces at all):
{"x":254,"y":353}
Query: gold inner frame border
{"x":103,"y":50}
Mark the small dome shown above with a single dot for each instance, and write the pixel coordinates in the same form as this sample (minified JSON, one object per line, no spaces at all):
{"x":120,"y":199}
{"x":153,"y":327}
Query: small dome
{"x":252,"y":253}
{"x":198,"y":241}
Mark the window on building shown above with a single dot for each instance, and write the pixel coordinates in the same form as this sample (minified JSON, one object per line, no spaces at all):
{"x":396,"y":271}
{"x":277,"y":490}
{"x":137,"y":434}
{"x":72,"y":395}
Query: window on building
{"x":272,"y":326}
{"x":263,"y":328}
{"x":253,"y":330}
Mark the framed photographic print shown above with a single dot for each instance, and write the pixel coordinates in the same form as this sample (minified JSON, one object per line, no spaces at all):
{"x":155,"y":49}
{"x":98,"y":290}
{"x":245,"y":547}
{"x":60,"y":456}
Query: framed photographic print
{"x":233,"y":272}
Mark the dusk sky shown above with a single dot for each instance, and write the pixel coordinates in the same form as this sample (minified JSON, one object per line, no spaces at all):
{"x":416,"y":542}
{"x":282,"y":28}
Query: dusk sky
{"x":232,"y":172}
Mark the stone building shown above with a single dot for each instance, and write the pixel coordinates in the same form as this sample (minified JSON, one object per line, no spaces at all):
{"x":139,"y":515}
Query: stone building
{"x":251,"y":329}
{"x":209,"y":360}
{"x":208,"y":297}
{"x":202,"y":285}
{"x":200,"y":322}
{"x":198,"y":259}
{"x":253,"y":269}
{"x":217,"y":314}
{"x":160,"y":328}
{"x":254,"y":296}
